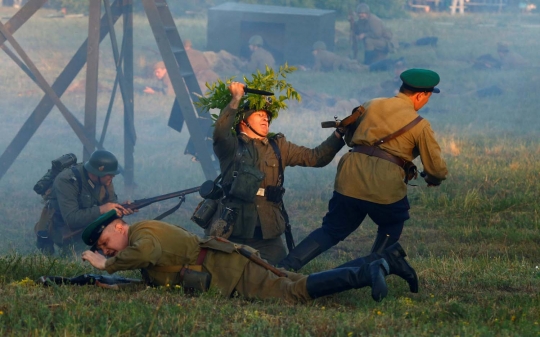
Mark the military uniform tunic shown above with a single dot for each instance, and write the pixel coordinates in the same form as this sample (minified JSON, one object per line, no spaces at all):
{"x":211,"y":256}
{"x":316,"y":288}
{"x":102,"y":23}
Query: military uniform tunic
{"x":260,"y":58}
{"x":377,"y":36}
{"x":377,"y":180}
{"x":262,"y":213}
{"x":158,"y":244}
{"x":75,"y":209}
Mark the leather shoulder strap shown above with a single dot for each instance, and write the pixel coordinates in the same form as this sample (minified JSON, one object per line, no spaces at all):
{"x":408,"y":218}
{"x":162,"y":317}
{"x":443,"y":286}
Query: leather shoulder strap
{"x":275,"y":147}
{"x":399,"y":132}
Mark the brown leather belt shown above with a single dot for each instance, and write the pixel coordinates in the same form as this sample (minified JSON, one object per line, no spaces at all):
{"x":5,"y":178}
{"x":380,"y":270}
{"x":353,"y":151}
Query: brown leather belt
{"x":375,"y":151}
{"x":175,"y":269}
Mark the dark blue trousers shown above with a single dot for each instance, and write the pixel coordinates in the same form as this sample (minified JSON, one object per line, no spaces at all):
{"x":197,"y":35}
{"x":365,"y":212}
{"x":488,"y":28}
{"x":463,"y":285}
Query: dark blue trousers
{"x":345,"y":214}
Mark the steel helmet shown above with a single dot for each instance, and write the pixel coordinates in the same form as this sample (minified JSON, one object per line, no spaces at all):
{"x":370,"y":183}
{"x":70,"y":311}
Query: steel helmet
{"x":256,"y":40}
{"x":102,"y":163}
{"x":319,"y":45}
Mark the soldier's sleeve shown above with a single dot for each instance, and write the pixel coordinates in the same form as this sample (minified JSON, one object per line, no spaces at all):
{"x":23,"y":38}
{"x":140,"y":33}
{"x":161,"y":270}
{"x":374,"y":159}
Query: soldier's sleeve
{"x":143,"y":251}
{"x":319,"y":156}
{"x":67,"y":193}
{"x":376,"y":29}
{"x":430,"y":154}
{"x":223,"y":138}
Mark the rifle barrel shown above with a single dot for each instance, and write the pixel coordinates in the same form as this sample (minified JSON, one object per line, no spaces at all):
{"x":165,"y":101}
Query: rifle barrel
{"x":138,"y":204}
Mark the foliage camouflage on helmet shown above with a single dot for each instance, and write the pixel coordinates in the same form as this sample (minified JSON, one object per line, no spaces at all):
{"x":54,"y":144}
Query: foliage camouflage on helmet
{"x":218,"y":94}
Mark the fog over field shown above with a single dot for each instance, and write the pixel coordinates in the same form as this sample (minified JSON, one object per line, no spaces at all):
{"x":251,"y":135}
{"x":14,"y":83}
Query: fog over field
{"x":481,"y":133}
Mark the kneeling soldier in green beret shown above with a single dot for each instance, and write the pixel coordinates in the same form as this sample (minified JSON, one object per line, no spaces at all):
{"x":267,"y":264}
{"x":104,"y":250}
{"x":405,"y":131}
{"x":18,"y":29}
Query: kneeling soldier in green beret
{"x":168,"y":255}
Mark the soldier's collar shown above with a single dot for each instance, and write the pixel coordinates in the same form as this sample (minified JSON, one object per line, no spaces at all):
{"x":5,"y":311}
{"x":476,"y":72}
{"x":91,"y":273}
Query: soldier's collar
{"x":246,"y":139}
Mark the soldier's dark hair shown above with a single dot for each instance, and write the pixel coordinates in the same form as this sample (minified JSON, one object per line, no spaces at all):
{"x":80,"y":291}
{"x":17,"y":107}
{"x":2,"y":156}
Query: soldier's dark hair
{"x":406,"y":91}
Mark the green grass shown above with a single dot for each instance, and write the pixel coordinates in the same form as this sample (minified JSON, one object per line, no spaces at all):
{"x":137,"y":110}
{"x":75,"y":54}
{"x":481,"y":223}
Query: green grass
{"x":473,"y":240}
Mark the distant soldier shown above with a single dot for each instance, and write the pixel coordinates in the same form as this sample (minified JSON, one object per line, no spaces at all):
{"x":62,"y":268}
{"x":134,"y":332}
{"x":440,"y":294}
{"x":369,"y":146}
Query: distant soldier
{"x":200,"y":66}
{"x":328,"y":61}
{"x":260,"y":57}
{"x":79,"y":195}
{"x":164,"y":82}
{"x":510,"y":59}
{"x":372,"y":32}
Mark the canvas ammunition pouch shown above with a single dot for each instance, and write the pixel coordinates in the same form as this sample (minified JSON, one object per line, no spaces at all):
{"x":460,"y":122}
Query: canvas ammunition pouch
{"x":246,"y":182}
{"x":274,"y":193}
{"x":192,"y":278}
{"x":45,"y":222}
{"x":224,"y":225}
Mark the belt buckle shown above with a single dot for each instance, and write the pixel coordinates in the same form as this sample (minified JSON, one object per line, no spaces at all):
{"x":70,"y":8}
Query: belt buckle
{"x":260,"y":192}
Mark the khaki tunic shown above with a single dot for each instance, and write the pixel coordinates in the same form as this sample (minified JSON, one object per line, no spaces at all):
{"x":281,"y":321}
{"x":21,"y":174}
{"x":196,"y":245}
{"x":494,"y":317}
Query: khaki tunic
{"x":328,"y":61}
{"x":75,"y":209}
{"x":201,"y":68}
{"x":154,"y":243}
{"x":377,"y":180}
{"x":260,"y":154}
{"x":260,"y":58}
{"x":377,"y":36}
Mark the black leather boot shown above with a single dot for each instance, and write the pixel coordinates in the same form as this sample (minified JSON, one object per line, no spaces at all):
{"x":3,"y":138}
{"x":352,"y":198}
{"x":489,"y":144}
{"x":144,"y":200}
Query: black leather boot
{"x":395,"y":256}
{"x":306,"y":251}
{"x":369,"y":57}
{"x":381,"y":242}
{"x":44,"y":243}
{"x":338,"y":280}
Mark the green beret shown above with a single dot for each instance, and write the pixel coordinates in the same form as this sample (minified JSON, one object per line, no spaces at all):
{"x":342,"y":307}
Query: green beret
{"x":92,"y":232}
{"x":420,"y":80}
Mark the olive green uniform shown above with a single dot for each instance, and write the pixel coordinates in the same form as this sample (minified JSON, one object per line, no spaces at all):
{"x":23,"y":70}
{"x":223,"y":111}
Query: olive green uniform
{"x":201,"y":68}
{"x":262,"y":216}
{"x":74,"y":208}
{"x":154,"y":244}
{"x":377,"y":180}
{"x":377,"y":35}
{"x":328,"y":61}
{"x":260,"y":58}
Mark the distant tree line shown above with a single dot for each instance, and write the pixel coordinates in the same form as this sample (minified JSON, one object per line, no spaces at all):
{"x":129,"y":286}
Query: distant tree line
{"x":382,"y":8}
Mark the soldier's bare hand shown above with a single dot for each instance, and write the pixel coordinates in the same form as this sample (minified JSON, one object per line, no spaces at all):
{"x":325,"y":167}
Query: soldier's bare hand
{"x":95,"y":259}
{"x":120,"y":211}
{"x":149,"y":90}
{"x":237,"y":90}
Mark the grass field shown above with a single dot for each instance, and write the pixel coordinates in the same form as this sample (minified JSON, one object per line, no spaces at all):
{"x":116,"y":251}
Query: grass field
{"x":474,"y":240}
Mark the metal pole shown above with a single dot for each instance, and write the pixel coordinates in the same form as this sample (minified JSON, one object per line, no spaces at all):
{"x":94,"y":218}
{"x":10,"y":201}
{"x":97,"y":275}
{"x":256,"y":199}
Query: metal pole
{"x":92,"y":66}
{"x":130,"y":136}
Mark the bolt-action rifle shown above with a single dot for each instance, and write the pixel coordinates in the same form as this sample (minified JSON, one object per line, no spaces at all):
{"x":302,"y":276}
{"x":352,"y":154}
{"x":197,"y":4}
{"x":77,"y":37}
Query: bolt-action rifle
{"x":138,"y":204}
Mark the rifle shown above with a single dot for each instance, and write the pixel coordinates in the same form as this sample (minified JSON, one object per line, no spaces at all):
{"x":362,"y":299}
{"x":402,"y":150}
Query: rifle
{"x":138,"y":204}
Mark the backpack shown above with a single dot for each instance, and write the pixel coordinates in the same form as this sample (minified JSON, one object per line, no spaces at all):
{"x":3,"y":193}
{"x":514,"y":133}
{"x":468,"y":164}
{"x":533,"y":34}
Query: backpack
{"x":44,"y":185}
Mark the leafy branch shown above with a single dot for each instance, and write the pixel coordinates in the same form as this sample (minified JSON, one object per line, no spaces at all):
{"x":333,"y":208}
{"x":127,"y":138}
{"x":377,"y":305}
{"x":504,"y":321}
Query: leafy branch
{"x":218,"y":94}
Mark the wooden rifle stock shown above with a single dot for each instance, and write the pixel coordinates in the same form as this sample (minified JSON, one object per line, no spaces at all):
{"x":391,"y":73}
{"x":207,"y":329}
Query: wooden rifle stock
{"x":138,"y":204}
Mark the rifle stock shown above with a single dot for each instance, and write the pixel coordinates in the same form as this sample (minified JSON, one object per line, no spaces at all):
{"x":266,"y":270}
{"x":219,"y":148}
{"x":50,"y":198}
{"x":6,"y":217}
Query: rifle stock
{"x":138,"y":204}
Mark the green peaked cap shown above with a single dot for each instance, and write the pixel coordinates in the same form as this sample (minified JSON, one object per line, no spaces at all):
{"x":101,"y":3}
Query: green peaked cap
{"x":420,"y":80}
{"x":93,"y":231}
